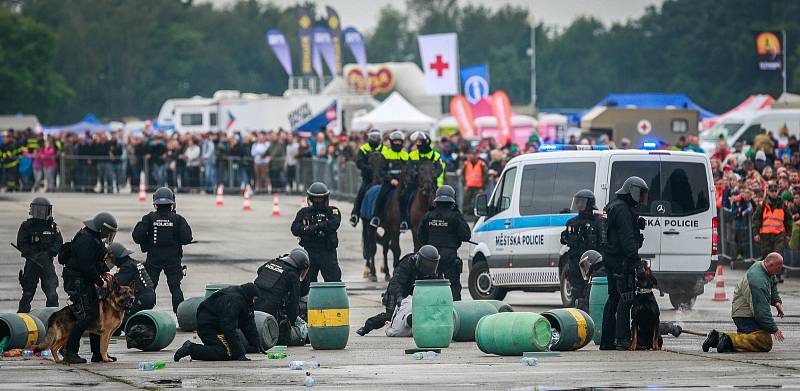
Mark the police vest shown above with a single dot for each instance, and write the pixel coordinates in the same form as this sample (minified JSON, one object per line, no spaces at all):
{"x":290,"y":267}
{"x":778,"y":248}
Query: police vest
{"x":473,"y":174}
{"x":439,"y":234}
{"x":163,"y":230}
{"x":269,"y":274}
{"x":144,"y":279}
{"x":366,"y":149}
{"x":772,"y":222}
{"x":394,"y":159}
{"x":42,"y":237}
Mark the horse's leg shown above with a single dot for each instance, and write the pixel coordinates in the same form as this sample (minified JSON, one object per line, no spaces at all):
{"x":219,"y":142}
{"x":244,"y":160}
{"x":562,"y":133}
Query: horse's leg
{"x":368,"y":235}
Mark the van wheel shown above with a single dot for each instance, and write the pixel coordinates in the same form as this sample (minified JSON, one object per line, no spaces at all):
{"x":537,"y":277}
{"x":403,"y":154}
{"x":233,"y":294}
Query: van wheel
{"x":682,"y":300}
{"x":480,"y":284}
{"x":566,"y":288}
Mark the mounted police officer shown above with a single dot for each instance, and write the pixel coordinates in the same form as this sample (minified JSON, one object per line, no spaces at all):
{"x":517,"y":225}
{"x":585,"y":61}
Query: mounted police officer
{"x":423,"y":152}
{"x":444,"y":227}
{"x":583,"y":232}
{"x":162,"y":234}
{"x":621,"y":258}
{"x":423,"y":265}
{"x":278,"y":284}
{"x":316,"y":226}
{"x":38,"y":241}
{"x":374,"y":145}
{"x":85,"y":270}
{"x":132,"y":273}
{"x":394,"y":160}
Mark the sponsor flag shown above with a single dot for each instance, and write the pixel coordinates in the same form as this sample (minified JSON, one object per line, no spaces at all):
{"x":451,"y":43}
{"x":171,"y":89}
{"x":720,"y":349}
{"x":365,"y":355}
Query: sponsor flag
{"x":335,"y":26}
{"x":316,"y":61}
{"x":475,"y":83}
{"x":462,"y":112}
{"x":355,"y":41}
{"x":769,"y":50}
{"x":323,"y":45}
{"x":277,"y":42}
{"x":501,"y":108}
{"x":439,"y":54}
{"x":304,"y":33}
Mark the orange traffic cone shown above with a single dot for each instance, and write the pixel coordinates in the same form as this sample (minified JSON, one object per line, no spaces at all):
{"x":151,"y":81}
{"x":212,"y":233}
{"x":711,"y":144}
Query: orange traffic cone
{"x":276,"y":209}
{"x":719,"y":291}
{"x":246,"y":203}
{"x":220,"y":196}
{"x":142,"y":193}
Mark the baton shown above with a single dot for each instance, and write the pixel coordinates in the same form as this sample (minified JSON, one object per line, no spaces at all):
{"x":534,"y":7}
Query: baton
{"x":471,"y":242}
{"x":684,"y":331}
{"x":15,"y":246}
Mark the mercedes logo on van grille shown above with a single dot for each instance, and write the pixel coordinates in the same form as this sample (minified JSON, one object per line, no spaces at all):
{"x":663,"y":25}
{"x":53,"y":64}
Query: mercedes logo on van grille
{"x":660,"y":209}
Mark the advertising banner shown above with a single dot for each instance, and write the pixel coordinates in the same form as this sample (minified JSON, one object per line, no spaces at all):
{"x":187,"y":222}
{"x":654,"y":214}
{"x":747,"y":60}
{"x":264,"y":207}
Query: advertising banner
{"x":501,"y":108}
{"x":462,"y":112}
{"x":335,"y":27}
{"x":355,"y":41}
{"x":277,"y":42}
{"x":475,"y":83}
{"x":769,"y":50}
{"x":323,"y":45}
{"x":439,"y":54}
{"x":304,"y":33}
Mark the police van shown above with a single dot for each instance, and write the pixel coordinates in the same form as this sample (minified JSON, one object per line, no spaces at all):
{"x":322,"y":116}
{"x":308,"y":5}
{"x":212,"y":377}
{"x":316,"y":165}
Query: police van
{"x":518,"y":233}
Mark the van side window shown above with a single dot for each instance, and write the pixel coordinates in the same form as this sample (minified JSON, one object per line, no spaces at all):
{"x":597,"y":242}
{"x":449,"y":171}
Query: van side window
{"x":504,"y":191}
{"x":192,"y":119}
{"x":750,"y":134}
{"x":680,"y":125}
{"x":685,"y":187}
{"x":212,"y":119}
{"x":548,"y":188}
{"x":650,"y":171}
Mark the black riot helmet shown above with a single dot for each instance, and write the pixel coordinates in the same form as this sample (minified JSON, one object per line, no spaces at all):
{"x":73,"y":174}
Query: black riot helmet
{"x":105,"y":224}
{"x":423,"y":142}
{"x":117,"y":252}
{"x":635,"y":187}
{"x":427,"y":260}
{"x":318,"y":195}
{"x":298,"y":258}
{"x":445,"y":193}
{"x":163,"y":196}
{"x":583,"y":201}
{"x":589,"y":260}
{"x":41,"y":208}
{"x":374,"y":139}
{"x":396,"y":139}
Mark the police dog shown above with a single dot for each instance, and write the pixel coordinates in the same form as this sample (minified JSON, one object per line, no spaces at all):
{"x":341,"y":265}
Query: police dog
{"x":112,"y":312}
{"x":644,"y":312}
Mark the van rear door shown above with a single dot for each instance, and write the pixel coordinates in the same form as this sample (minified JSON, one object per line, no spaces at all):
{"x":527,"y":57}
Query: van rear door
{"x":686,"y":229}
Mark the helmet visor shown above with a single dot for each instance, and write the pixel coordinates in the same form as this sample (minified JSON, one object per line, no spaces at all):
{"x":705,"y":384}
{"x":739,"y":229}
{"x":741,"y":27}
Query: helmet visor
{"x":42,"y":212}
{"x":579,"y":204}
{"x":427,"y":267}
{"x":318,"y":200}
{"x":107,"y":233}
{"x":585,"y":264}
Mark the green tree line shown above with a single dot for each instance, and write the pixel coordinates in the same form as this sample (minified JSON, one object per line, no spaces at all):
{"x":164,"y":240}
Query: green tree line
{"x":62,"y":58}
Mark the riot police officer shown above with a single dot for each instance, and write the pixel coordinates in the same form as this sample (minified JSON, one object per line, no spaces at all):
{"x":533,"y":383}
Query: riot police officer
{"x":444,"y":227}
{"x":423,"y":265}
{"x":278,"y":284}
{"x":374,"y":145}
{"x":424,"y":151}
{"x":162,"y":235}
{"x":38,"y":241}
{"x":394,"y":160}
{"x":621,"y":258}
{"x":316,"y":227}
{"x":132,"y":273}
{"x":84,"y":271}
{"x":583,"y":232}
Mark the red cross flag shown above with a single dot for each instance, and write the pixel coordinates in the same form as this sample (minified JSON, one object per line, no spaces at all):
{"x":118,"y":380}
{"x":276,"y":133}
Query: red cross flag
{"x":439,"y":54}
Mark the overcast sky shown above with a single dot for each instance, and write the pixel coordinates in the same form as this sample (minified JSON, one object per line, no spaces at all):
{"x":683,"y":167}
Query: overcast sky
{"x":363,"y":14}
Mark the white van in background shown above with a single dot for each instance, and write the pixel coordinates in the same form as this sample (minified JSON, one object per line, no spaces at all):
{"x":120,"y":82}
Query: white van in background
{"x":744,"y":128}
{"x":518,"y":233}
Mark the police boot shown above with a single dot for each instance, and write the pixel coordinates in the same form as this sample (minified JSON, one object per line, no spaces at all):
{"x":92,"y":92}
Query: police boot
{"x":403,"y":227}
{"x":353,"y":220}
{"x":375,"y":222}
{"x":182,"y":351}
{"x":712,"y":340}
{"x":622,"y":344}
{"x":725,"y":344}
{"x":363,"y":331}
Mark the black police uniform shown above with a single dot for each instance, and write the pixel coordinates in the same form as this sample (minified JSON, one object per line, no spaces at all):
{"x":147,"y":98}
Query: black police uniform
{"x":444,"y":227}
{"x":38,"y":241}
{"x":218,"y":318}
{"x":316,"y":228}
{"x":278,"y":284}
{"x":400,"y":286}
{"x":390,"y":169}
{"x":161,"y":234}
{"x":82,"y":273}
{"x":621,"y":257}
{"x":582,"y":233}
{"x":133,"y":274}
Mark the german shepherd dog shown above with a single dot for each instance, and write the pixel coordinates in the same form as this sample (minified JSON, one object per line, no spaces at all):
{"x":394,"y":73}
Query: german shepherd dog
{"x":644,"y":312}
{"x":112,"y":312}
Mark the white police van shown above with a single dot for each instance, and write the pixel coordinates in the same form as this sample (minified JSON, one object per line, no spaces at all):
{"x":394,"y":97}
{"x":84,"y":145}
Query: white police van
{"x":518,"y":234}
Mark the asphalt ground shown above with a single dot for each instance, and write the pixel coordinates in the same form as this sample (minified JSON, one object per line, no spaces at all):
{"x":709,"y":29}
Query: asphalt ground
{"x":232,"y":244}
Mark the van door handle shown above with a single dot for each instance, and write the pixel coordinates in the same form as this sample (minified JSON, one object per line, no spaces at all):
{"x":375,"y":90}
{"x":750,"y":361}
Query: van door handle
{"x":507,"y":224}
{"x":671,"y":232}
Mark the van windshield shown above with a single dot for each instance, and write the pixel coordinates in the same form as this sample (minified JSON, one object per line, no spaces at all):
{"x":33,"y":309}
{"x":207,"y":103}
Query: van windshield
{"x":682,"y":185}
{"x":723,"y":130}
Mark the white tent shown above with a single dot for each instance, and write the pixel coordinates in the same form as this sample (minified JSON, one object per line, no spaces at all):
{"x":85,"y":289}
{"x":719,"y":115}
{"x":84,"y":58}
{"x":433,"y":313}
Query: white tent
{"x":394,"y":113}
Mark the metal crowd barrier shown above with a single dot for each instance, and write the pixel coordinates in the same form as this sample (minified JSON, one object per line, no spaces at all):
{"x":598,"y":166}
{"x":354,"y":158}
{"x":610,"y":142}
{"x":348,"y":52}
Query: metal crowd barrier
{"x":736,"y":243}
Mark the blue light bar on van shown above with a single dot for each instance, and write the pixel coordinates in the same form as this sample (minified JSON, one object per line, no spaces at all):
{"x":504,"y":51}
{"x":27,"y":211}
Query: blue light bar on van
{"x":567,"y":147}
{"x":649,"y":145}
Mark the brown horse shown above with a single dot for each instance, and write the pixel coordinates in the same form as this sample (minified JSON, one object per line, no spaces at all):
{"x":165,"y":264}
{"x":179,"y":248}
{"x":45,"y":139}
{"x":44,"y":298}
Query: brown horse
{"x":369,"y":235}
{"x":423,"y":200}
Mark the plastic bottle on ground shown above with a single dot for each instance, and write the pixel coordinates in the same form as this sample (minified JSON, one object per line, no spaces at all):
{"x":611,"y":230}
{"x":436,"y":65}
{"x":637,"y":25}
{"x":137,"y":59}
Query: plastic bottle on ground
{"x":424,"y":355}
{"x":147,"y":366}
{"x":276,"y":355}
{"x":27,"y":353}
{"x":309,"y":381}
{"x":298,"y":365}
{"x":159,"y":365}
{"x":529,"y":361}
